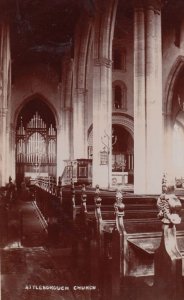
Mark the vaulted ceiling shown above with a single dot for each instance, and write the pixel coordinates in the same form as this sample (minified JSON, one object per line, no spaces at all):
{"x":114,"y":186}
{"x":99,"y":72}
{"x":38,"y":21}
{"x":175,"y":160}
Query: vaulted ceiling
{"x":43,"y":30}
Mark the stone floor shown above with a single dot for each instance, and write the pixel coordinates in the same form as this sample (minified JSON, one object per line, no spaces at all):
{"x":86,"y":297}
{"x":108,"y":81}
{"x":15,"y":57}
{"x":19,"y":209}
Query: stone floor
{"x":37,"y":272}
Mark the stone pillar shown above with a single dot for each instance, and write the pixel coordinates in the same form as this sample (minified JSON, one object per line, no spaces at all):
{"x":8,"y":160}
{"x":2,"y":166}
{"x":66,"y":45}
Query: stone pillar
{"x":148,"y":99}
{"x":3,"y":153}
{"x":64,"y":140}
{"x":102,"y":121}
{"x":154,"y":130}
{"x":11,"y":134}
{"x":81,"y":62}
{"x":5,"y":92}
{"x":64,"y":132}
{"x":168,"y":149}
{"x":79,"y":123}
{"x":102,"y":90}
{"x":139,"y":102}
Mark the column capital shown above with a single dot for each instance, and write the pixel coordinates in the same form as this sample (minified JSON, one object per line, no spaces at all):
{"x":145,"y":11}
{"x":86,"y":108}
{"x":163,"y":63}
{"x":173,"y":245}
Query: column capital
{"x":67,"y":108}
{"x":81,"y":91}
{"x":155,"y":4}
{"x":102,"y":61}
{"x":3,"y":112}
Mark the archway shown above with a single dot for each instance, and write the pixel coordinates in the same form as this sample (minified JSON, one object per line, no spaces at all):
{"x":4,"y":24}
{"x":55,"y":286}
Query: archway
{"x":178,"y":126}
{"x":172,"y":107}
{"x":122,"y":154}
{"x":122,"y":150}
{"x":36,"y":140}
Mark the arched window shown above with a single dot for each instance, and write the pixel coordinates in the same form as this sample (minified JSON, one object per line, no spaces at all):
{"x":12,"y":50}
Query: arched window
{"x":120,"y":95}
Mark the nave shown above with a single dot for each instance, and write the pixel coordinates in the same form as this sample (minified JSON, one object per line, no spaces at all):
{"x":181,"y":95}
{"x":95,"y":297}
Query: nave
{"x":38,"y":268}
{"x":52,"y":246}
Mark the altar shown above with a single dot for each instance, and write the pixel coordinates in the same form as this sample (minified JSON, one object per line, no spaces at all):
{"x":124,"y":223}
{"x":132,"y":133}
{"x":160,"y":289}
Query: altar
{"x":119,"y":178}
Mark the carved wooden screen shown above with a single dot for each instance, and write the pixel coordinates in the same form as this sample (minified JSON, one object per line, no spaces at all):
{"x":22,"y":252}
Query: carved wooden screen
{"x":35,"y":147}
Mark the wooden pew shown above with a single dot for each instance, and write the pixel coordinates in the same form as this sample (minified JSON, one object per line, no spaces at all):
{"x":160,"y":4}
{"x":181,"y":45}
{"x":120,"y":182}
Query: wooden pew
{"x":134,"y":244}
{"x":168,"y":280}
{"x":104,"y":224}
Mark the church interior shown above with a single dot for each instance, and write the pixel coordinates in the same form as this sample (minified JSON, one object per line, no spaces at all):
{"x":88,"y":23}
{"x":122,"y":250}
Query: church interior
{"x":91,"y":152}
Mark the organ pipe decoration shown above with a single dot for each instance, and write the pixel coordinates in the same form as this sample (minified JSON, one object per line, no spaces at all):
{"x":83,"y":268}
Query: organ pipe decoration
{"x":36,"y":146}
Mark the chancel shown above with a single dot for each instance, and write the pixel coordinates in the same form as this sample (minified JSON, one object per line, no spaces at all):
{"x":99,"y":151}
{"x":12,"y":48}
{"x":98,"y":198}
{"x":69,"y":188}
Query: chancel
{"x":91,"y":149}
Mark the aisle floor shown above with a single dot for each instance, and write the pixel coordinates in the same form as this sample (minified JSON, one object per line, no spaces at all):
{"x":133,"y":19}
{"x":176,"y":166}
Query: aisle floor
{"x":37,"y":272}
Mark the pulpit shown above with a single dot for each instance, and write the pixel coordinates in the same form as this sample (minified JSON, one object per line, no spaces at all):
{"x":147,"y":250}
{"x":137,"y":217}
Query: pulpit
{"x":79,"y":170}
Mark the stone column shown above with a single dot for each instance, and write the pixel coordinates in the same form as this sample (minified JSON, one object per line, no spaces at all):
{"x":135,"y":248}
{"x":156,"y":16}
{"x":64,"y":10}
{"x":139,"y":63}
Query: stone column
{"x":102,"y":121}
{"x":102,"y":90}
{"x":64,"y":132}
{"x":147,"y":99}
{"x":64,"y":139}
{"x":168,"y":149}
{"x":3,"y":153}
{"x":12,"y":160}
{"x":81,"y":61}
{"x":139,"y":102}
{"x":154,"y":130}
{"x":79,"y":123}
{"x":5,"y":92}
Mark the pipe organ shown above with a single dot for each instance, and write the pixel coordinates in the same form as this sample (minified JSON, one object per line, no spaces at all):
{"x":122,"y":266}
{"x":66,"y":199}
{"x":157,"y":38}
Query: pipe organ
{"x":35,"y":147}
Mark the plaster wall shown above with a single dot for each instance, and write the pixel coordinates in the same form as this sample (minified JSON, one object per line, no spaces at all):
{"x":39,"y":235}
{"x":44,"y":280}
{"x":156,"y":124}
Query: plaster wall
{"x":35,"y":79}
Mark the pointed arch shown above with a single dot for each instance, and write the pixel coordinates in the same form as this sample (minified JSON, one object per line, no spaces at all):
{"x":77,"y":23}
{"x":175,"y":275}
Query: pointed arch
{"x":171,"y":81}
{"x":41,"y":98}
{"x":35,"y":139}
{"x":124,"y":120}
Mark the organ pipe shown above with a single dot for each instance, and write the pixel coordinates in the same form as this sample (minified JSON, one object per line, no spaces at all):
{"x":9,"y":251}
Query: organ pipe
{"x":33,"y":148}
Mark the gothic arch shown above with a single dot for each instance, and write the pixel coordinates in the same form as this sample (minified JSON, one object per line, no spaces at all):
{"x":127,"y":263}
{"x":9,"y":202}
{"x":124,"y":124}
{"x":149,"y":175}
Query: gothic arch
{"x":118,"y":119}
{"x":43,"y":99}
{"x":171,"y":81}
{"x":125,"y":121}
{"x":104,"y":30}
{"x":81,"y":56}
{"x":35,"y":139}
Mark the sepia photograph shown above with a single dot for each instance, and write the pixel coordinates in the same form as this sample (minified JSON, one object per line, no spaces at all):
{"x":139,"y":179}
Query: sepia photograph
{"x":92,"y":149}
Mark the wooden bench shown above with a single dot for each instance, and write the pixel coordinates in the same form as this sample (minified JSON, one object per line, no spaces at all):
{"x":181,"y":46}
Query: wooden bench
{"x":96,"y":226}
{"x":127,"y":242}
{"x":134,"y":243}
